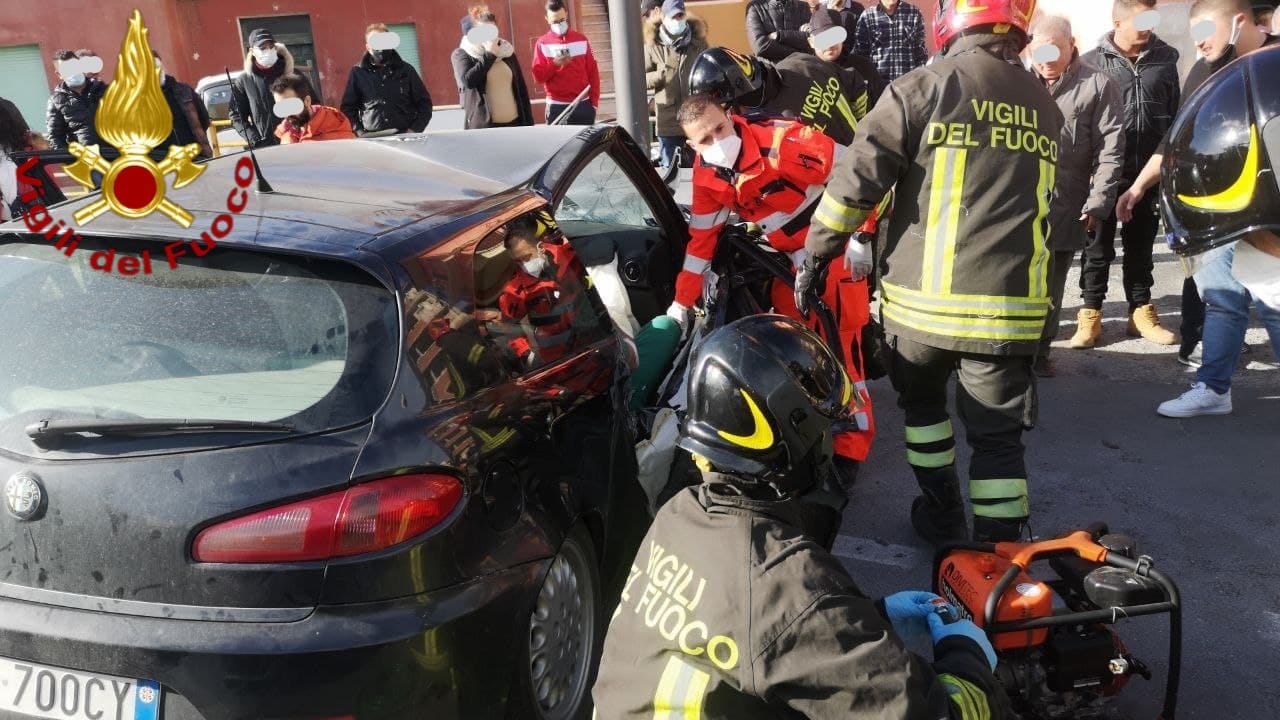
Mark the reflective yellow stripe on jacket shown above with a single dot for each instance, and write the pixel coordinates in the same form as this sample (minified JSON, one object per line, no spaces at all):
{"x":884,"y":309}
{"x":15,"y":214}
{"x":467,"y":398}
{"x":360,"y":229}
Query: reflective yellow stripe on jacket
{"x":967,"y":697}
{"x":681,"y":690}
{"x":990,"y":317}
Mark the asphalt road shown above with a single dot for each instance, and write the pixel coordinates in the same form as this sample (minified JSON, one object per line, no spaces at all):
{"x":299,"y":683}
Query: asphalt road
{"x":1199,"y":495}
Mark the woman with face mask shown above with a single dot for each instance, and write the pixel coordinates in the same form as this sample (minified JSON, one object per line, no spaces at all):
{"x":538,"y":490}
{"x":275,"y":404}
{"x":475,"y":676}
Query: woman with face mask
{"x":670,"y":48}
{"x":490,"y":81}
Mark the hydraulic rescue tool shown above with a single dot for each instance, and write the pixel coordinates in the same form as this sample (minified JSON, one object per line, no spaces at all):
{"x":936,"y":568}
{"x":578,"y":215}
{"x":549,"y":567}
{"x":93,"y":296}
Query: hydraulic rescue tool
{"x":1058,"y":656}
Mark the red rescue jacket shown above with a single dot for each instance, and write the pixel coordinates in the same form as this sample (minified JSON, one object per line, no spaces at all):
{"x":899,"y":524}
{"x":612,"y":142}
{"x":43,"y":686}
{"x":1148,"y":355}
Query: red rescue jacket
{"x":777,"y":183}
{"x":548,"y":301}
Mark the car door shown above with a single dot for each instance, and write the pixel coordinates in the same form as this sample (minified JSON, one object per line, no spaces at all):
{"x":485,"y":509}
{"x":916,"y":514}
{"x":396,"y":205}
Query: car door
{"x":615,"y":210}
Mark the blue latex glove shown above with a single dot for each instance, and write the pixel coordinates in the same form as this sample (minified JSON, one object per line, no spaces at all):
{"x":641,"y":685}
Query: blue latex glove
{"x":940,"y":629}
{"x":907,"y":611}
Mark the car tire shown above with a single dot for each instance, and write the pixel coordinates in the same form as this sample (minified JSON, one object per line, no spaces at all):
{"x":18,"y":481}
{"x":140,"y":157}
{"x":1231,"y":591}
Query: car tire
{"x":565,"y":633}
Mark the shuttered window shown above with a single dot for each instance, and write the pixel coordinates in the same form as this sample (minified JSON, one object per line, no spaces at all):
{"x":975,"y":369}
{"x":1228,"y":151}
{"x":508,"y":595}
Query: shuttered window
{"x":408,"y":49}
{"x":24,"y":82}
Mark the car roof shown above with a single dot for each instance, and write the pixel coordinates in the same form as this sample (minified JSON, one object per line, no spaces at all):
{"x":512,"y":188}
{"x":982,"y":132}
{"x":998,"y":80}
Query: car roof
{"x":211,"y":80}
{"x":346,"y":193}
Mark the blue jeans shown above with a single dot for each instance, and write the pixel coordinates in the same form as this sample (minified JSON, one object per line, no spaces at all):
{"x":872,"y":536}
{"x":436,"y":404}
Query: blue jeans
{"x":667,"y":149}
{"x":1226,"y":318}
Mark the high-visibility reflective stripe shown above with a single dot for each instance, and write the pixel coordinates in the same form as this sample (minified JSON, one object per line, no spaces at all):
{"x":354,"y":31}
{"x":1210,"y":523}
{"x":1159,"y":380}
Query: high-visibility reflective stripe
{"x":842,"y":104}
{"x":864,"y":422}
{"x":779,"y":219}
{"x":1001,"y":489}
{"x":708,"y":221}
{"x":930,"y":433}
{"x":970,"y":328}
{"x":983,"y":306}
{"x":969,"y":698}
{"x":837,"y":216}
{"x":945,"y":191}
{"x":931,"y":460}
{"x":1038,"y":283}
{"x":955,"y":197}
{"x":680,"y":692}
{"x":695,"y":265}
{"x":1009,"y":509}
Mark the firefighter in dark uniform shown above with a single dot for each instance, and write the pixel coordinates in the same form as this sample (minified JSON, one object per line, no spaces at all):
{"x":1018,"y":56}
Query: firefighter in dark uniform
{"x":729,"y":611}
{"x":803,"y":87}
{"x":971,"y":143}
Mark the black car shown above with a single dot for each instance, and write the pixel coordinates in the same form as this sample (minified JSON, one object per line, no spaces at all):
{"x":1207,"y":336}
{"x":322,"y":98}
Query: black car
{"x":298,"y":476}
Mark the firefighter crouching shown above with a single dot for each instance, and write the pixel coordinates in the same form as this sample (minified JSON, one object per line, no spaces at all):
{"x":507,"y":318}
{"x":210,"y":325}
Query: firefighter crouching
{"x":971,"y":143}
{"x":771,"y":172}
{"x":775,"y":628}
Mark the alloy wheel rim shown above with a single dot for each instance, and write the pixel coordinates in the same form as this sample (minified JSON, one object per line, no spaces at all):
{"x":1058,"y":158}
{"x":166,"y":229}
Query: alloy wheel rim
{"x":561,"y":635}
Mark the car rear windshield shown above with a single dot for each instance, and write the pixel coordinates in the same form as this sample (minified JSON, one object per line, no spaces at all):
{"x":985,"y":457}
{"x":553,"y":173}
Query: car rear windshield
{"x":231,"y":336}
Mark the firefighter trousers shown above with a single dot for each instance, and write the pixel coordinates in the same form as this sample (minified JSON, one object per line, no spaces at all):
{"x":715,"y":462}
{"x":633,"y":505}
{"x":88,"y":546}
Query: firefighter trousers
{"x":851,"y":305}
{"x":996,"y":401}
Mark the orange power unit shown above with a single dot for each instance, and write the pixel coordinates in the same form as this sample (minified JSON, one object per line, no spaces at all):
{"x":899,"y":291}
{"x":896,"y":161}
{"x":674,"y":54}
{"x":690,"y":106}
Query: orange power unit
{"x":968,"y":578}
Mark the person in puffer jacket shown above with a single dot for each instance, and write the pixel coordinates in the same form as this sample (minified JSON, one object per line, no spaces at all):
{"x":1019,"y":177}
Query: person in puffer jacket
{"x":251,"y":99}
{"x":385,"y":95}
{"x":72,"y":107}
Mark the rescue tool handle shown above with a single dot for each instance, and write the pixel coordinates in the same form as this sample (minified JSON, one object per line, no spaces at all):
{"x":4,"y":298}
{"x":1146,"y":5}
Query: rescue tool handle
{"x":1079,"y":543}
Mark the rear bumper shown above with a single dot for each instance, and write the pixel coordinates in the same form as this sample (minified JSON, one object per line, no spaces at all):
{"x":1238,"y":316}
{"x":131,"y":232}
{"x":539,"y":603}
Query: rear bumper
{"x":445,"y":654}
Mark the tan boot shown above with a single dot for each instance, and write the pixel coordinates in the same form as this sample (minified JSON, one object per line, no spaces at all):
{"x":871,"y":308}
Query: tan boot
{"x":1088,"y":328}
{"x":1146,"y":322}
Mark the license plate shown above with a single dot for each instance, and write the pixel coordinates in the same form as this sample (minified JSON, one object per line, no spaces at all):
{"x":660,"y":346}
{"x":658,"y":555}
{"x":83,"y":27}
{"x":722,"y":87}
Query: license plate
{"x":39,"y":691}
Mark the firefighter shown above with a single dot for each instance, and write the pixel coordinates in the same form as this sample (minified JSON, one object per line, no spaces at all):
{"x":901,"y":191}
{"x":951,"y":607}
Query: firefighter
{"x":775,"y":628}
{"x":825,"y":95}
{"x":971,"y":141}
{"x":771,"y":172}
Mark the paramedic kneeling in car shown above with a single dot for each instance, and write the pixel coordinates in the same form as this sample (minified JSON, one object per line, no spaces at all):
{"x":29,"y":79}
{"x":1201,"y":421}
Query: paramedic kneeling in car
{"x":548,"y":290}
{"x":729,"y":611}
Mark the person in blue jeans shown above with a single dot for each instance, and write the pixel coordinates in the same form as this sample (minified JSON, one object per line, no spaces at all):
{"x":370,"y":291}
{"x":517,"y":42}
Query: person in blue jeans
{"x":1226,"y":319}
{"x":1221,"y":196}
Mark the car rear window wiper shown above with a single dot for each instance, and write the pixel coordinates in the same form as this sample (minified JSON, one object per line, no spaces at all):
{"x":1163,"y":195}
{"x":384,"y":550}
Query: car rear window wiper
{"x":48,"y":429}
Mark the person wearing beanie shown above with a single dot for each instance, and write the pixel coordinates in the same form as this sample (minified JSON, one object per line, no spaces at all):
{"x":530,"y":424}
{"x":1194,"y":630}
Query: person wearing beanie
{"x":251,"y":100}
{"x":831,"y":42}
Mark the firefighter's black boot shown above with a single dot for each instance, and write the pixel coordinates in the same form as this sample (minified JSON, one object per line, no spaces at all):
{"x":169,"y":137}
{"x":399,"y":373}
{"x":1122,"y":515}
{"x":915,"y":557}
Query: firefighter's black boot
{"x":938,"y":514}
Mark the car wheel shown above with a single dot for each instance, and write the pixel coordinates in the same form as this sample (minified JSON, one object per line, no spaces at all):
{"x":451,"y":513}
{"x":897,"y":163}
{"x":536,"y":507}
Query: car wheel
{"x":565,"y":634}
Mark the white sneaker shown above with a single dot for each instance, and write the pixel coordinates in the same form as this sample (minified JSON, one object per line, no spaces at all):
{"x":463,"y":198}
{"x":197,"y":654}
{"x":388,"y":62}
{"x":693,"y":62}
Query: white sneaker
{"x":1199,"y":400}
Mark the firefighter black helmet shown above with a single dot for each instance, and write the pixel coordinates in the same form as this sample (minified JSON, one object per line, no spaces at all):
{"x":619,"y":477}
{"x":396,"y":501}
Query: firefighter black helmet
{"x":1219,"y":179}
{"x":725,"y":75}
{"x":763,"y":394}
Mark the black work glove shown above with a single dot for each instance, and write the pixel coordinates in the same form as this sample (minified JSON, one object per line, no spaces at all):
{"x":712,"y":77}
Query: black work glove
{"x":810,"y":276}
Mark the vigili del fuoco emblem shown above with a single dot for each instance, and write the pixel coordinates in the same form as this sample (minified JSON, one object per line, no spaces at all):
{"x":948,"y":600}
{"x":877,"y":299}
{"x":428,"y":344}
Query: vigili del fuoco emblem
{"x":134,"y":118}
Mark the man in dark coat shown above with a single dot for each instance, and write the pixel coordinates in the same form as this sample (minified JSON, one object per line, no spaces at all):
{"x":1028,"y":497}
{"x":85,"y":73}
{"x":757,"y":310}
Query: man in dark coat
{"x":776,"y":28}
{"x":73,"y":105}
{"x":251,"y":101}
{"x":385,"y":95}
{"x":190,"y":116}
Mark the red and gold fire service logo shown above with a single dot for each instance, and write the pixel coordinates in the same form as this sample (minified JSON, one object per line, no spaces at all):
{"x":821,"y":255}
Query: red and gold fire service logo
{"x":134,"y":118}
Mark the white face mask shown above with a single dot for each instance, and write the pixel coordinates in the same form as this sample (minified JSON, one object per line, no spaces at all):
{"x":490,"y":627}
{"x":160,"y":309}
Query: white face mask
{"x":560,"y":28}
{"x":535,"y":266}
{"x":675,"y":27}
{"x":1259,"y":273}
{"x":723,"y":152}
{"x":266,"y":58}
{"x":76,"y":80}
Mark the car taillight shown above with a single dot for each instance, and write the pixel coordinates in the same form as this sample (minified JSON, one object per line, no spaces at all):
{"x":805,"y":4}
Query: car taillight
{"x":368,"y":517}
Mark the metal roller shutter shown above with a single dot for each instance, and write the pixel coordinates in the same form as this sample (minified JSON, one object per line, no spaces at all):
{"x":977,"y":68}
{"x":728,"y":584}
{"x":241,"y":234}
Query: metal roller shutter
{"x":24,"y":82}
{"x":408,"y":49}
